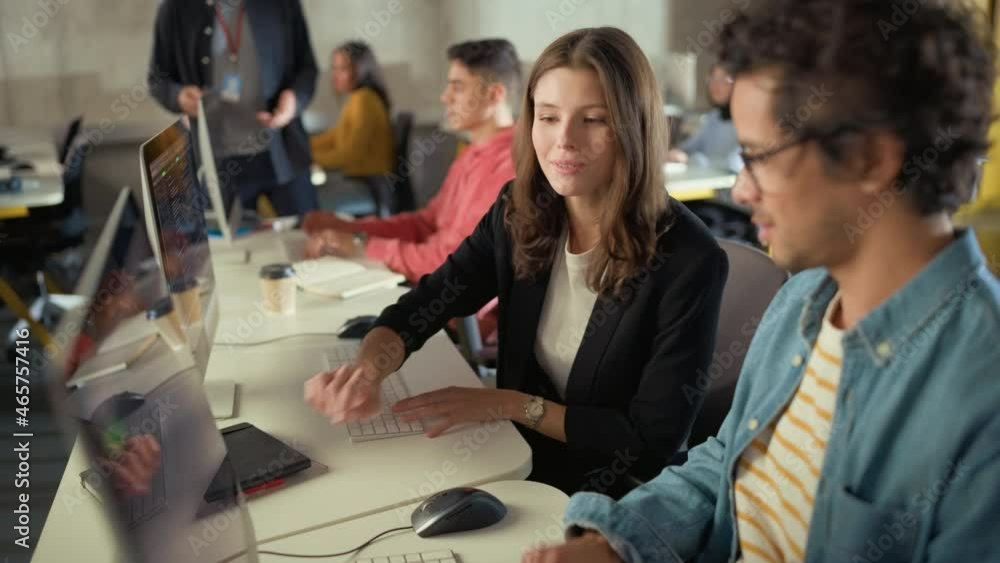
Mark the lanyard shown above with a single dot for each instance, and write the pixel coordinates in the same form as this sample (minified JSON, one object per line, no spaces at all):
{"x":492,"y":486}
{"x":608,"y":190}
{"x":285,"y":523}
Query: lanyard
{"x":232,"y":42}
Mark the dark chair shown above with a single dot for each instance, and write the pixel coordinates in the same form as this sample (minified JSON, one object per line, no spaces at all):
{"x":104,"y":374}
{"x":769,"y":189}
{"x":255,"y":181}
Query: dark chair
{"x":72,"y":132}
{"x":482,"y":356}
{"x":753,"y":281}
{"x":51,"y":229}
{"x":384,"y":194}
{"x":30,"y":241}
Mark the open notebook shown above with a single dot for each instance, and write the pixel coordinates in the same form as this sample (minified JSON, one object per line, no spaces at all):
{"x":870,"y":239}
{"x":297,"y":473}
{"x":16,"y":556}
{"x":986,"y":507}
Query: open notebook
{"x":343,"y":279}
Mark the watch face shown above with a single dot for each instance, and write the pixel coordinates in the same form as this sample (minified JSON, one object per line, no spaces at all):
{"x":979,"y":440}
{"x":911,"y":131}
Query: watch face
{"x":535,"y":409}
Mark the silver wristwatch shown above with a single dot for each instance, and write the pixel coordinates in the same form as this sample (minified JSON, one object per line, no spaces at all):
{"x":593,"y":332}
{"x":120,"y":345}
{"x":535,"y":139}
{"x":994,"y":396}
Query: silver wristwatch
{"x":534,"y":410}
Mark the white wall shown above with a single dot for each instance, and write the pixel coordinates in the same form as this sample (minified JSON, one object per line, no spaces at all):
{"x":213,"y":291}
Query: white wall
{"x":532,"y":24}
{"x":89,"y":53}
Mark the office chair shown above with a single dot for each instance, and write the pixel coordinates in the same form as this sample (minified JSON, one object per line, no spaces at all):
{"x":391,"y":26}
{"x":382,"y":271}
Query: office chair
{"x":482,"y":356}
{"x":72,"y":132}
{"x":30,"y":240}
{"x":753,"y":281}
{"x":382,"y":195}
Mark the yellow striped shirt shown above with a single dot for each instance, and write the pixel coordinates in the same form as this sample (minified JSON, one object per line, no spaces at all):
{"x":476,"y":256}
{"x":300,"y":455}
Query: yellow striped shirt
{"x":778,"y":474}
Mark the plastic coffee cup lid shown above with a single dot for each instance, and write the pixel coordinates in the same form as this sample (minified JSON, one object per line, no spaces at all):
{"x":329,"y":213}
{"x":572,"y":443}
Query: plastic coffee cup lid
{"x":162,"y":308}
{"x":180,"y":285}
{"x":277,"y":271}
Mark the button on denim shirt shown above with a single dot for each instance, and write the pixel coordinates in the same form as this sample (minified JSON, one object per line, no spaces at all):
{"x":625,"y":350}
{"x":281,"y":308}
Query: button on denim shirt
{"x":912,"y":467}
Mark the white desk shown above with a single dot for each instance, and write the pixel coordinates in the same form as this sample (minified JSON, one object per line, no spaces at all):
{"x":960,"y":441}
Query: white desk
{"x":534,"y":516}
{"x":696,"y":182}
{"x":40,"y":187}
{"x":362,"y":479}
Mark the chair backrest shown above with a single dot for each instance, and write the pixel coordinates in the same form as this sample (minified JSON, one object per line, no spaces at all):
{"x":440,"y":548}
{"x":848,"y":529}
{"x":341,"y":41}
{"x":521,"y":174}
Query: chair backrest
{"x":72,"y":131}
{"x":402,"y":127}
{"x":754,"y":279}
{"x":76,"y":155}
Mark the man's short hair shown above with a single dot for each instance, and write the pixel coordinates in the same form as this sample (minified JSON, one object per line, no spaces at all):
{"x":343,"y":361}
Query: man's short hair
{"x":922,"y":69}
{"x":493,"y":60}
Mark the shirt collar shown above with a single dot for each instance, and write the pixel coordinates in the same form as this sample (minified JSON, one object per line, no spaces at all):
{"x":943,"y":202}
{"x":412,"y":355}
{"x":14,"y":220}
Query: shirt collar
{"x":502,"y":139}
{"x":890,"y":328}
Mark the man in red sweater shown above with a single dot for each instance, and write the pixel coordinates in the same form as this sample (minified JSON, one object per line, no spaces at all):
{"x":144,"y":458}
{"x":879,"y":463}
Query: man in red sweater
{"x":483,"y":79}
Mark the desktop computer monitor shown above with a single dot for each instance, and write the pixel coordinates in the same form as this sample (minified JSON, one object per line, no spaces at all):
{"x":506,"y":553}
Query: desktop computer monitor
{"x":128,"y":283}
{"x":226,"y":211}
{"x":175,"y":205}
{"x":156,"y":502}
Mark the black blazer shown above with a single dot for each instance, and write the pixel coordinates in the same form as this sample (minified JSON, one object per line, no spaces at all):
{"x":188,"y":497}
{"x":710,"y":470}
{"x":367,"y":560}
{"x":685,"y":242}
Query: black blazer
{"x":284,"y":56}
{"x":627,"y":409}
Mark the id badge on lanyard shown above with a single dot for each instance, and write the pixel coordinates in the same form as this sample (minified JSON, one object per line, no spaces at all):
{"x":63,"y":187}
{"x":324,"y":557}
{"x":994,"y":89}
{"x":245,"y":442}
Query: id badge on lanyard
{"x":232,"y":87}
{"x":232,"y":82}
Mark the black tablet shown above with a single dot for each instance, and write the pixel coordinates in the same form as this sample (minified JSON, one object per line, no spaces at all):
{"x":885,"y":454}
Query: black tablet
{"x":257,"y":458}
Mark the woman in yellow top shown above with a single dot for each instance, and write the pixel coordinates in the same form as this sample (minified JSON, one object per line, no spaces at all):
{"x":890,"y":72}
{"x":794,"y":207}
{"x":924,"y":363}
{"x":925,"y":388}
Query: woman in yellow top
{"x":360,"y":144}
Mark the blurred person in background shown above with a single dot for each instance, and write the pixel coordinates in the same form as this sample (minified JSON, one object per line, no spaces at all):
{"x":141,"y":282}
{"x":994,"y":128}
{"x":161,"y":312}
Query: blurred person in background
{"x":251,"y":64}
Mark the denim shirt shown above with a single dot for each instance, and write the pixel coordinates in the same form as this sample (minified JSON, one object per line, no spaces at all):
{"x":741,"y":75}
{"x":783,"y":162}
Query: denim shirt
{"x":912,"y":467}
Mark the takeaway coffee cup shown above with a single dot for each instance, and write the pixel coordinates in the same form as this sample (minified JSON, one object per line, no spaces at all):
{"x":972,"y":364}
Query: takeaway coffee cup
{"x":277,"y":287}
{"x":187,"y":299}
{"x":168,"y":323}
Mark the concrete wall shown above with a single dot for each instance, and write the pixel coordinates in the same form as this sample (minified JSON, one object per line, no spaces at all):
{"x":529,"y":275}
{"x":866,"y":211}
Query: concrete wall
{"x":61,"y":58}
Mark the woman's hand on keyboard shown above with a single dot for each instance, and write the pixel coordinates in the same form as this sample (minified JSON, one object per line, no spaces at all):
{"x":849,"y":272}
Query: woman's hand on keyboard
{"x":458,"y":405}
{"x":348,"y":393}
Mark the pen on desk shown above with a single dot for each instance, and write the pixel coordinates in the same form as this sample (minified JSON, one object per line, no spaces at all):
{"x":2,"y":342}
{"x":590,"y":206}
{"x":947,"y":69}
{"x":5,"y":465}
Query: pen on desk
{"x":264,"y":486}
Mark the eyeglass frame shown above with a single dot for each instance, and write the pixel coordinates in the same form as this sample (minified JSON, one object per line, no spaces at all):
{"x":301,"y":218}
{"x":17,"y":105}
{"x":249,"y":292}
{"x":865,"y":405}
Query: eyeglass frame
{"x":749,"y":160}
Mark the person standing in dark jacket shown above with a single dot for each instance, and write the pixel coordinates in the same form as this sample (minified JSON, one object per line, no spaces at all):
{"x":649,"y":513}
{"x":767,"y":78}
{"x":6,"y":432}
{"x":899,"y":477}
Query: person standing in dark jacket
{"x":609,"y":291}
{"x":251,"y":64}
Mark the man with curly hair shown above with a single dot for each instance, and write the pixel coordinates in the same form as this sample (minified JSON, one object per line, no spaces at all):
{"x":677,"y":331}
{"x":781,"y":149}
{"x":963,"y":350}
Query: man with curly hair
{"x":865,"y":426}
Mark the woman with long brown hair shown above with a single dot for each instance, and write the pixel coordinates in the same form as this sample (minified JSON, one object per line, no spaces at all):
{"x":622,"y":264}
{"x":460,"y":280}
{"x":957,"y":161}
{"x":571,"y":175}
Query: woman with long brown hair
{"x":609,"y":290}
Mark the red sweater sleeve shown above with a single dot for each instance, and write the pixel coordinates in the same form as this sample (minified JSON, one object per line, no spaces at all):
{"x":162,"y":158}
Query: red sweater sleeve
{"x":413,"y":226}
{"x":415,"y":258}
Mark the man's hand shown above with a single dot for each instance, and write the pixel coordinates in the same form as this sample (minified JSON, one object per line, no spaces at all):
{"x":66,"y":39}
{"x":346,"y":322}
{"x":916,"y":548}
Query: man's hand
{"x":588,"y":548}
{"x":317,"y":221}
{"x":188,"y":98}
{"x":283,"y":114}
{"x":133,"y":467}
{"x":333,"y":243}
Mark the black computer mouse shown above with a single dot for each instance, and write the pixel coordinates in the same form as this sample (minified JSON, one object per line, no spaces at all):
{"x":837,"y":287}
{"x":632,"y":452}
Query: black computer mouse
{"x":22,"y":166}
{"x":457,"y":510}
{"x":357,"y":327}
{"x":117,"y":407}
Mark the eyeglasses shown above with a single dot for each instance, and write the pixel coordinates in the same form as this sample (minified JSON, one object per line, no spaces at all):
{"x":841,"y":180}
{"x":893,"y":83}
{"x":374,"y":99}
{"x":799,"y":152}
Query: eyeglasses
{"x":753,"y":160}
{"x":724,"y":79}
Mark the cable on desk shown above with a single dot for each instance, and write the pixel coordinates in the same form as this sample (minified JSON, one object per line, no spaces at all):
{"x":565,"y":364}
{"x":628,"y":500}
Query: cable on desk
{"x":275,"y":339}
{"x":348,"y":552}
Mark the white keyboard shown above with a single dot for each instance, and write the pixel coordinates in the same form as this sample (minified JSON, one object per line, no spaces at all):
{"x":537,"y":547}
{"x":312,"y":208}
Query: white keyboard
{"x":386,"y":424}
{"x":423,"y":557}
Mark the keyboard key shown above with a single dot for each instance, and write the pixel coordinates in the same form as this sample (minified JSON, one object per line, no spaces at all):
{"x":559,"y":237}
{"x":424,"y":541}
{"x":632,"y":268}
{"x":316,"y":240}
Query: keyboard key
{"x":436,"y":555}
{"x":384,"y":425}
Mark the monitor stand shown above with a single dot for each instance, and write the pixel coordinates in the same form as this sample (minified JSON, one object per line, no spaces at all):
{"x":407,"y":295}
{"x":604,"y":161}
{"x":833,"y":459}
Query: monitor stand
{"x":231,"y":256}
{"x":221,"y":394}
